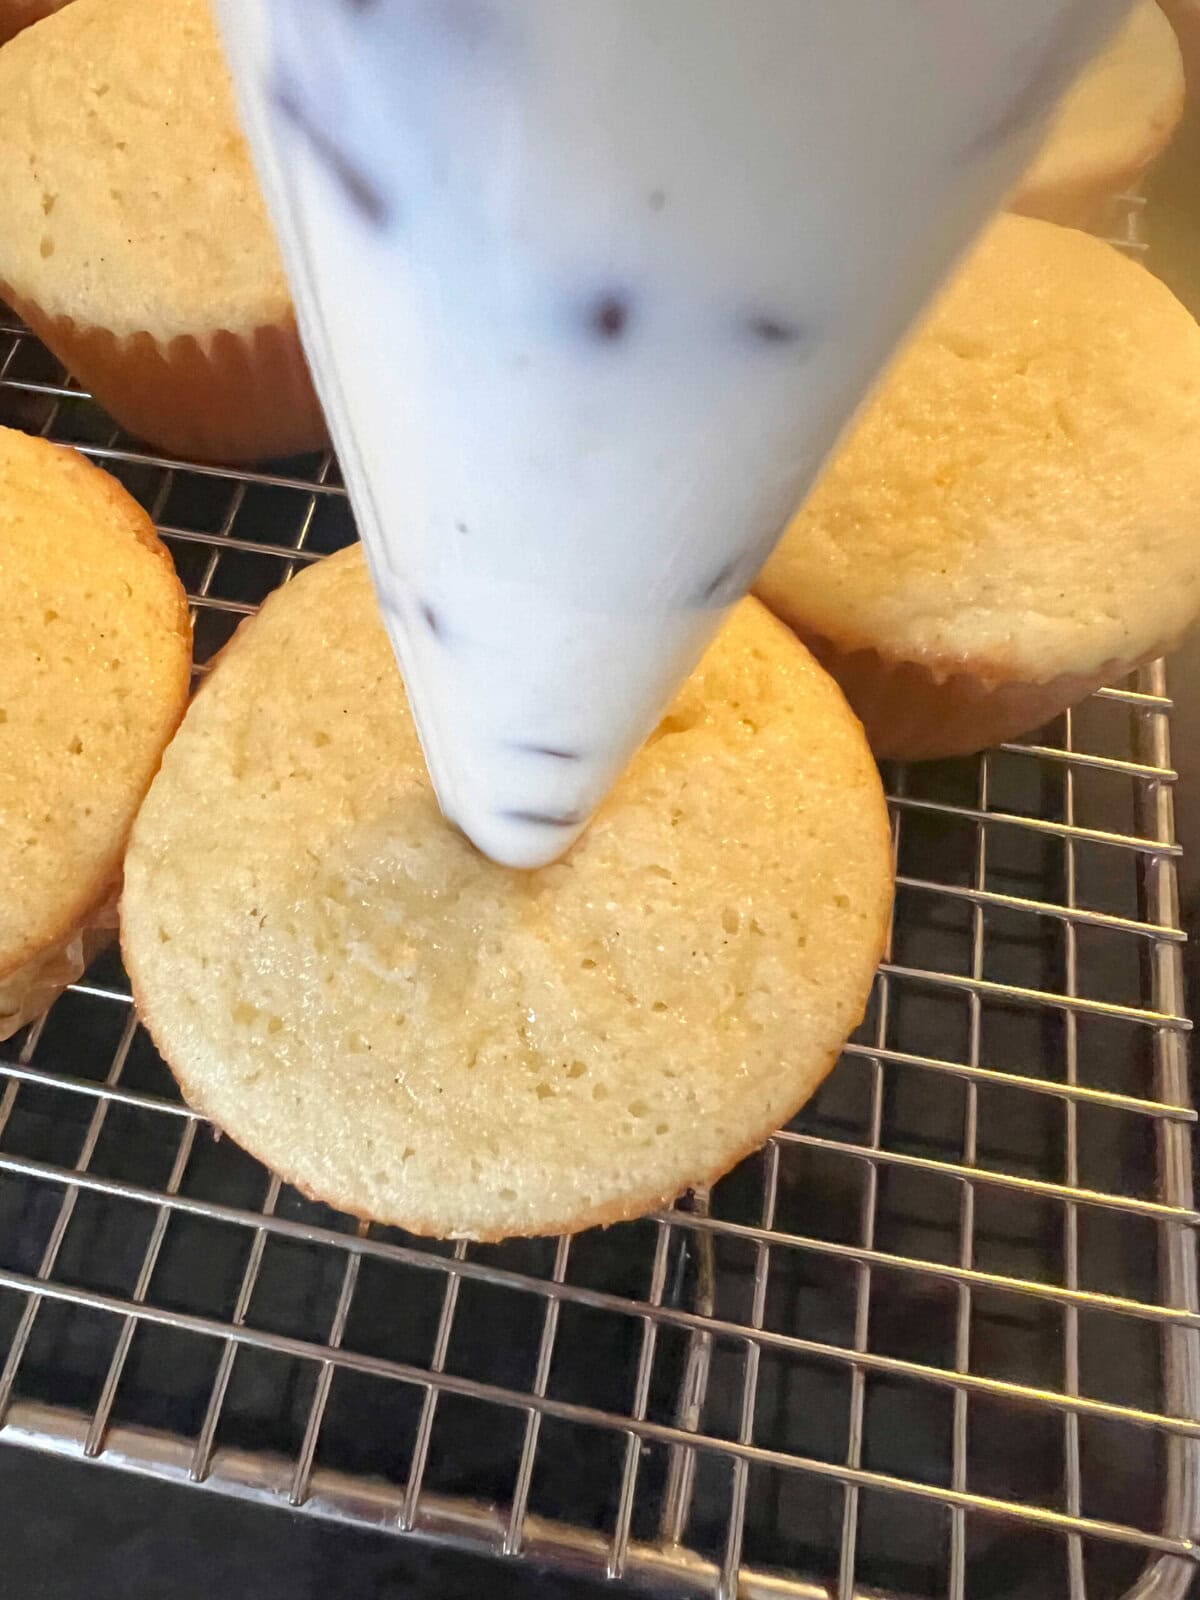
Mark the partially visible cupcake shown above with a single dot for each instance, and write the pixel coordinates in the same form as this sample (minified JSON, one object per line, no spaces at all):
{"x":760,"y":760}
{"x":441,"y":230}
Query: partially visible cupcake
{"x":95,"y":652}
{"x":18,"y":14}
{"x":136,"y":242}
{"x":1015,"y":519}
{"x":1120,"y":115}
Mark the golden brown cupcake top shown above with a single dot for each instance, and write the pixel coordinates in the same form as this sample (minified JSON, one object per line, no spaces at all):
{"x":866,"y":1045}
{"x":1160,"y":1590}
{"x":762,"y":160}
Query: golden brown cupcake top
{"x":95,"y":653}
{"x":1021,"y":496}
{"x":128,"y":197}
{"x":416,"y":1034}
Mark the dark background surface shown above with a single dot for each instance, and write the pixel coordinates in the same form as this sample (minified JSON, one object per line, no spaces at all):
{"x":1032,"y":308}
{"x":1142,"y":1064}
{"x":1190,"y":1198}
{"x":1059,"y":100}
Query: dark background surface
{"x":70,"y":1531}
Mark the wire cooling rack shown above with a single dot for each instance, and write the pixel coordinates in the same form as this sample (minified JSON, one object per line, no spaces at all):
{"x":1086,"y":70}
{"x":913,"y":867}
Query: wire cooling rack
{"x":939,"y":1337}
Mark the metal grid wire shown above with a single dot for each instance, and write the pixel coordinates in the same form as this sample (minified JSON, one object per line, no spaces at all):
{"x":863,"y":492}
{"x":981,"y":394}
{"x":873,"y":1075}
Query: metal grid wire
{"x":940,"y":1336}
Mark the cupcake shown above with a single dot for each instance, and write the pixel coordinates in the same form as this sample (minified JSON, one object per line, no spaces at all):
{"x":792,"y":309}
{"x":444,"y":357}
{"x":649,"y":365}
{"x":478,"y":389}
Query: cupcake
{"x":18,"y":14}
{"x":1013,"y":519}
{"x":136,"y":243}
{"x":417,"y":1035}
{"x":95,"y":657}
{"x":1112,"y":124}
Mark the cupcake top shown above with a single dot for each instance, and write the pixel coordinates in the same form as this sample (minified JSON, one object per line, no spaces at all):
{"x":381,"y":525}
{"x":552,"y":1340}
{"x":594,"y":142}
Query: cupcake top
{"x":95,"y":656}
{"x":1117,"y":118}
{"x":415,"y":1034}
{"x":1020,"y":498}
{"x":128,"y":197}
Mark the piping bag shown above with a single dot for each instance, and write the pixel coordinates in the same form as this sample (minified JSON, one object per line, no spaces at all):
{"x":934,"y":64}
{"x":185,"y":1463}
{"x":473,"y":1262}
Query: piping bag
{"x":589,"y":289}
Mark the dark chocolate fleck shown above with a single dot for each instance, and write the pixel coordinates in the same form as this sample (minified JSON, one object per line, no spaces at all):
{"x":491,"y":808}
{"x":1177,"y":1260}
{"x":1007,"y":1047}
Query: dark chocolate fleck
{"x":431,"y":619}
{"x":362,"y":193}
{"x":731,"y":580}
{"x":609,"y":316}
{"x":775,"y":330}
{"x":549,"y":750}
{"x":720,"y":590}
{"x":545,"y":819}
